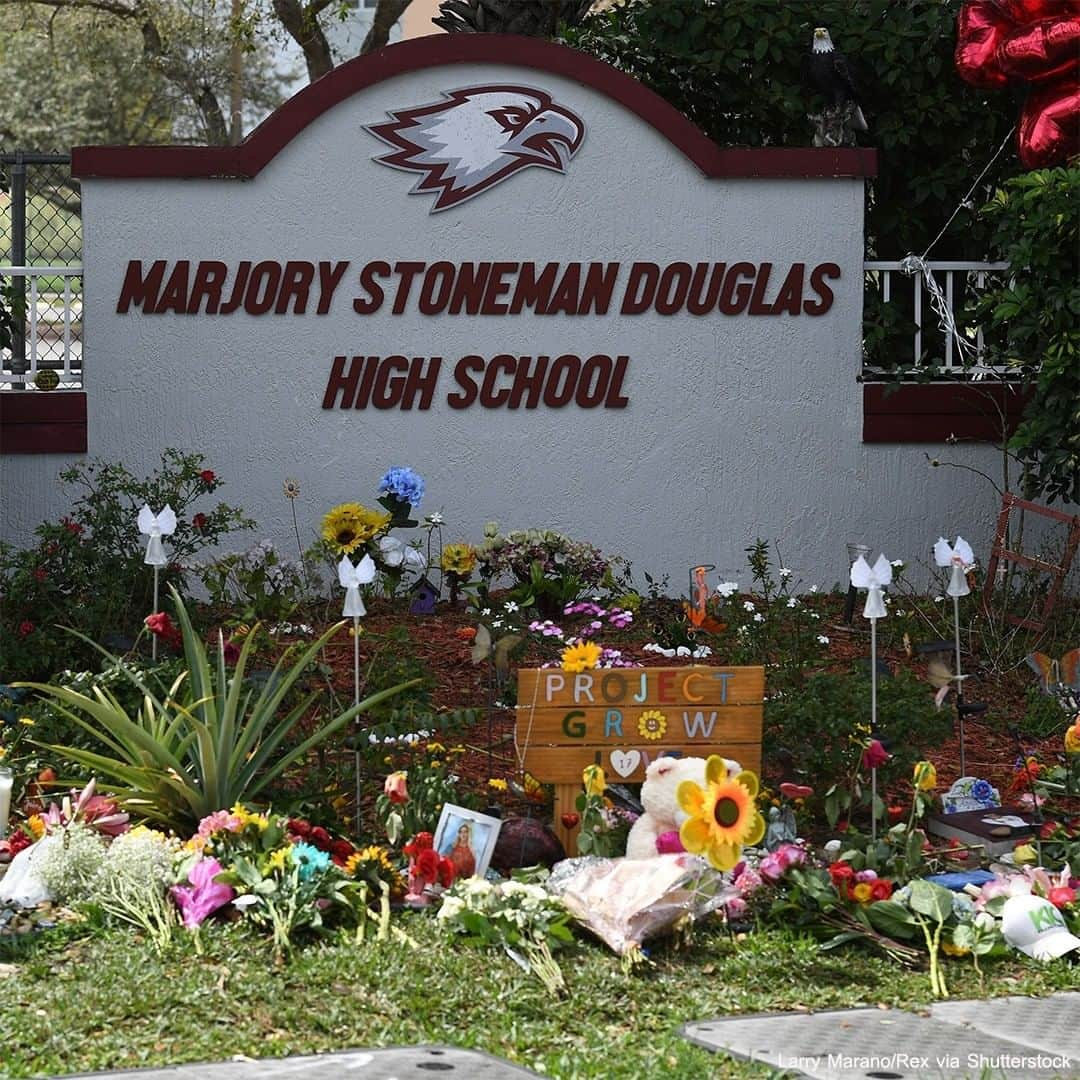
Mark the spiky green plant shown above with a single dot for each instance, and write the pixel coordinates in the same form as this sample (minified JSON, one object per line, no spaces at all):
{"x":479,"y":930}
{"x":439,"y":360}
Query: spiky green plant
{"x":209,"y":743}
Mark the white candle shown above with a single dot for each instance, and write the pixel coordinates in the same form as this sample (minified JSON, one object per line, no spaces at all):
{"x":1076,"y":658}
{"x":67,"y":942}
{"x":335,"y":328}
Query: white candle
{"x":6,"y":782}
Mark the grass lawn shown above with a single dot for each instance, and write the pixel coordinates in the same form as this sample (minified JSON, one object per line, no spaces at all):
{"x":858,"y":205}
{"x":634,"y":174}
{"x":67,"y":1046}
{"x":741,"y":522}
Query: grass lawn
{"x":83,"y":999}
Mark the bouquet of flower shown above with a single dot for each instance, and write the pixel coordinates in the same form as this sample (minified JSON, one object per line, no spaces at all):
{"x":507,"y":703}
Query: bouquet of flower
{"x":523,"y":918}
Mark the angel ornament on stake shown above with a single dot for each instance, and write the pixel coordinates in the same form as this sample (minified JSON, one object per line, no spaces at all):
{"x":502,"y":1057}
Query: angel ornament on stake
{"x":874,"y":580}
{"x":155,"y":526}
{"x":351,"y":578}
{"x":960,"y":558}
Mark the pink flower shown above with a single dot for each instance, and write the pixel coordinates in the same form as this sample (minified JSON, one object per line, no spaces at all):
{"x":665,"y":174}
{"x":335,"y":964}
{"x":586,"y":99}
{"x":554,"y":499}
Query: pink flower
{"x":866,"y":875}
{"x":777,"y":863}
{"x":875,"y":755}
{"x":748,"y":881}
{"x":395,"y":788}
{"x":1062,"y":896}
{"x":735,"y":907}
{"x":207,"y":476}
{"x":205,"y":895}
{"x":669,"y":843}
{"x":219,"y":821}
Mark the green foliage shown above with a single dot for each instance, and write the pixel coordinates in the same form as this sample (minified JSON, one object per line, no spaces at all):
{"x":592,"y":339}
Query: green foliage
{"x":734,"y":68}
{"x":209,"y":743}
{"x":824,"y":727}
{"x":87,"y":571}
{"x":1037,"y":218}
{"x":12,"y":311}
{"x":256,"y":585}
{"x":432,"y":781}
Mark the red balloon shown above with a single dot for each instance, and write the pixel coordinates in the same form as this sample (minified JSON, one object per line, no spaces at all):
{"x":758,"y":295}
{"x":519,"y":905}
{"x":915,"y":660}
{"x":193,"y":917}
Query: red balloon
{"x":1049,"y":130}
{"x":1041,"y":51}
{"x":980,"y":30}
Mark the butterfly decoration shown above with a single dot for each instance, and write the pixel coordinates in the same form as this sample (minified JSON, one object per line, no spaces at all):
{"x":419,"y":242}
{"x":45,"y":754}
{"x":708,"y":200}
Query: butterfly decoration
{"x":351,"y":578}
{"x":959,"y":556}
{"x":1059,"y":678}
{"x":155,"y":526}
{"x":697,"y":611}
{"x":484,"y":648}
{"x":874,"y":579}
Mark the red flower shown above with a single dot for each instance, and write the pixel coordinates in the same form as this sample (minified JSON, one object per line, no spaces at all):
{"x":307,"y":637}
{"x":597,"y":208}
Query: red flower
{"x":446,"y":872}
{"x":340,"y":851}
{"x":880,"y":889}
{"x":422,"y":841}
{"x":40,"y":574}
{"x":875,"y":755}
{"x":1048,"y":829}
{"x":1061,"y":896}
{"x":427,"y":865}
{"x":72,"y":527}
{"x":26,"y":628}
{"x":207,"y":476}
{"x":396,"y":788}
{"x":159,"y":623}
{"x":320,"y":838}
{"x":796,"y":791}
{"x":466,"y":633}
{"x":199,"y":520}
{"x":841,"y":871}
{"x":298,"y":827}
{"x":896,"y":813}
{"x":231,"y":652}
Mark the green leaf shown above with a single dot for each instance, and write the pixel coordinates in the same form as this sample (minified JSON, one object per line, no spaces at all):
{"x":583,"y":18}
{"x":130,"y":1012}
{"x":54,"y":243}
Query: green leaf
{"x":934,"y":901}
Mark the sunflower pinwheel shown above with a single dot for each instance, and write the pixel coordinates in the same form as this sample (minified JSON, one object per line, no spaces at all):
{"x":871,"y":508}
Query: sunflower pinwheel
{"x":723,"y":814}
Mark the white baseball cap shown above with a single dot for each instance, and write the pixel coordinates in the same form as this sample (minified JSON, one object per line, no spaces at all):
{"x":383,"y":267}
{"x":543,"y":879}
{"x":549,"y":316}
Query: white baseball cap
{"x":1034,"y":926}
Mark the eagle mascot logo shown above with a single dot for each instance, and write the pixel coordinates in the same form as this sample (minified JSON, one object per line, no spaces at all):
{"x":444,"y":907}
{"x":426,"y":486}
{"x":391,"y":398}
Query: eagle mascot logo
{"x":478,"y":137}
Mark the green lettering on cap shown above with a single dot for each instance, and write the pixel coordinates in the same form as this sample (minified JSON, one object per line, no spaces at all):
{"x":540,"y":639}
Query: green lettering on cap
{"x":1044,"y":918}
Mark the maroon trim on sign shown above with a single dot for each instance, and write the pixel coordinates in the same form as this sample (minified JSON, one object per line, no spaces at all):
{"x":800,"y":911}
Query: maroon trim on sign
{"x":43,"y":422}
{"x":439,"y":50}
{"x":934,"y":412}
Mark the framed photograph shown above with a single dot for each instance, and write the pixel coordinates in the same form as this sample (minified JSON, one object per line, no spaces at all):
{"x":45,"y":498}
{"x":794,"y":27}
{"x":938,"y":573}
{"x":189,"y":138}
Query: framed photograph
{"x":467,"y":839}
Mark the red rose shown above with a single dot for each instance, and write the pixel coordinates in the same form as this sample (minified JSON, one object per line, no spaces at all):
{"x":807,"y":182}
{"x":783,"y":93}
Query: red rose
{"x":1048,"y":829}
{"x":158,"y":623}
{"x":446,"y":872}
{"x":40,"y":574}
{"x":427,"y":865}
{"x":298,"y":827}
{"x":231,"y":652}
{"x":26,"y":627}
{"x":320,"y":838}
{"x":199,"y":520}
{"x":875,"y":755}
{"x":880,"y":889}
{"x":896,"y":813}
{"x":1061,"y":896}
{"x":72,"y":527}
{"x":207,"y":476}
{"x":422,"y":841}
{"x":841,"y":871}
{"x":341,"y":850}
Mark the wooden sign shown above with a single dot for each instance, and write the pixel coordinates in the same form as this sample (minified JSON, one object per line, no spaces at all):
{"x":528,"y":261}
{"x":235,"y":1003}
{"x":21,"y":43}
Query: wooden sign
{"x":624,"y":718}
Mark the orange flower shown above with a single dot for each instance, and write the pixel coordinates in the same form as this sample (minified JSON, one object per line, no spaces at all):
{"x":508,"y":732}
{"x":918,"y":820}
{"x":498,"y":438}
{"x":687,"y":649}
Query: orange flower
{"x":466,"y":633}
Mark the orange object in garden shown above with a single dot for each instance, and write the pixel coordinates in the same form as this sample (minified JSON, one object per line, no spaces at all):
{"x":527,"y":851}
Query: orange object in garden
{"x":697,"y":611}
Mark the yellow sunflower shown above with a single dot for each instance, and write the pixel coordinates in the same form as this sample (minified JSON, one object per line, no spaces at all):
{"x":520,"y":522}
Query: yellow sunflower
{"x":349,"y":525}
{"x":580,"y":657}
{"x":652,"y":724}
{"x":722,"y":817}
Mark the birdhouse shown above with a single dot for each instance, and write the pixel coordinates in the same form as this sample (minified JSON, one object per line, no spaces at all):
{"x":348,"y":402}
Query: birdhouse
{"x":424,"y":595}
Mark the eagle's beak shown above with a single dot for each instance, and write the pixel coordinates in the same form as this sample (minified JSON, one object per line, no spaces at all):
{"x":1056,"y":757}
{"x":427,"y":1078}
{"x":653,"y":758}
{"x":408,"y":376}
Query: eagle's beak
{"x":550,"y":138}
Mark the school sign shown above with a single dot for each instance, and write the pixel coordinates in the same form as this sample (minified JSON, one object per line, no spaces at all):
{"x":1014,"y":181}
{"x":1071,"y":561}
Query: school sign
{"x":511,"y":267}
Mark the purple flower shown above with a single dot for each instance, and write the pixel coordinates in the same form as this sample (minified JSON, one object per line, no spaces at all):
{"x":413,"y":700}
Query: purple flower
{"x":205,"y":895}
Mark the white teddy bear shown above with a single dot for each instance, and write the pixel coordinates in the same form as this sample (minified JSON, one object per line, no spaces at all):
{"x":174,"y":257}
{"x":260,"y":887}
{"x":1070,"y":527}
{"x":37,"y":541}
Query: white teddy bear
{"x":658,"y":795}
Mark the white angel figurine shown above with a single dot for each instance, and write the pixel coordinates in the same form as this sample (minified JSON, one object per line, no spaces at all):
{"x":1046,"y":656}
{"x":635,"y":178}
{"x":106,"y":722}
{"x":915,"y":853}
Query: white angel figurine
{"x":351,"y":578}
{"x":156,"y":526}
{"x":874,"y":580}
{"x":959,"y":557}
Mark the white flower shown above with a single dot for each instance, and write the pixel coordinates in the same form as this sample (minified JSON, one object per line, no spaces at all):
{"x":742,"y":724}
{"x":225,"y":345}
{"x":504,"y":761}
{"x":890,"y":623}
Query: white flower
{"x":793,"y":601}
{"x":682,"y":650}
{"x":813,"y":588}
{"x":758,"y":617}
{"x":897,"y":563}
{"x":434,"y":519}
{"x":814,"y":615}
{"x":510,"y":606}
{"x":485,"y":611}
{"x":451,"y":906}
{"x":394,"y":553}
{"x":939,"y":599}
{"x":748,"y":606}
{"x":785,"y":572}
{"x":727,"y":588}
{"x":822,"y":639}
{"x":245,"y":901}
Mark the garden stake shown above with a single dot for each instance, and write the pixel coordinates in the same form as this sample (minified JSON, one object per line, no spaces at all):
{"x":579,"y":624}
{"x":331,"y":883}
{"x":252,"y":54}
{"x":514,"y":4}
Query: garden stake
{"x":873,"y":581}
{"x":957,"y":557}
{"x":155,"y":526}
{"x":351,"y":578}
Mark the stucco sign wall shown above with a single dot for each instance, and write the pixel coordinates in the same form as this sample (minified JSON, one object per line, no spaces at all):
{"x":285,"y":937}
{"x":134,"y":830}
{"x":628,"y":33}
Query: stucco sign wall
{"x":511,"y":267}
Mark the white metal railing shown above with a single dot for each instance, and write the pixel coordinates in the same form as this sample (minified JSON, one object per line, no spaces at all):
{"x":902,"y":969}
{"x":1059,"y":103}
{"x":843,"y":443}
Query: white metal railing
{"x":973,"y":277}
{"x":51,"y":337}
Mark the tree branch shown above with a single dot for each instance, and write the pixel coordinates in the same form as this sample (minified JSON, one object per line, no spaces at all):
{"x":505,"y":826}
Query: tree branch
{"x":303,"y":27}
{"x":386,"y":14}
{"x":123,"y":11}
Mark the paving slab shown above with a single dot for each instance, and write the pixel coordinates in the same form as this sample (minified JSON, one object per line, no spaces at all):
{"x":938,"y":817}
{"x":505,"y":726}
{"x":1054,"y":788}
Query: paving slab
{"x":1050,"y":1024}
{"x":877,"y":1044}
{"x":392,"y":1063}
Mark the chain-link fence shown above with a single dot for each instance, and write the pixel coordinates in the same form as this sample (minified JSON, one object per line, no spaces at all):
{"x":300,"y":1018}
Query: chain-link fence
{"x":40,"y":271}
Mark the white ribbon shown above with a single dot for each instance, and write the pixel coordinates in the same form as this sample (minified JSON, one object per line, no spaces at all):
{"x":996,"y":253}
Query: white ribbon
{"x":351,"y":578}
{"x":960,"y":557}
{"x":156,"y":526}
{"x":873,"y":579}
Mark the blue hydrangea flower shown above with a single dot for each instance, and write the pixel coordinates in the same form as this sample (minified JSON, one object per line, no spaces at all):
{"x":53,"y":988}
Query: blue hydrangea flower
{"x":310,"y":859}
{"x":404,"y":484}
{"x":982,"y":791}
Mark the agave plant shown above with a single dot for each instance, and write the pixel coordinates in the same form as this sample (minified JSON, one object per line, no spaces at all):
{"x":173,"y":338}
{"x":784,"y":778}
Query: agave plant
{"x":206,"y":745}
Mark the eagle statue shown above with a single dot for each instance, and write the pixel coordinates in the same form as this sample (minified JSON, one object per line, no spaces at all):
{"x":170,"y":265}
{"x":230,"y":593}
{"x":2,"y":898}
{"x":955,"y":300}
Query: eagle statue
{"x":827,"y":72}
{"x":478,"y":137}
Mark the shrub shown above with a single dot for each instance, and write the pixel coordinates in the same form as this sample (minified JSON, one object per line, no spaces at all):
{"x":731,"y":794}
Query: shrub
{"x":87,"y":572}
